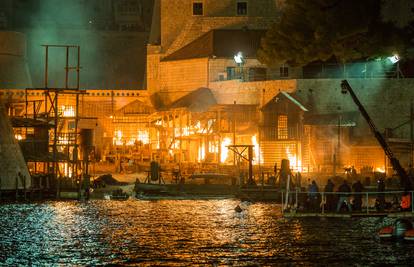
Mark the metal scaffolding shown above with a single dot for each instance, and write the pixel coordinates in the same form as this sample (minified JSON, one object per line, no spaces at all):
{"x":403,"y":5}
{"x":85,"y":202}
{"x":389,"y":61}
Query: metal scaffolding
{"x":60,"y":134}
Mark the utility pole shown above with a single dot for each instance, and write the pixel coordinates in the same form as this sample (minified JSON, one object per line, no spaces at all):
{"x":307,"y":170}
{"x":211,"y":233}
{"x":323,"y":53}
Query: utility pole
{"x":338,"y":150}
{"x":411,"y":133}
{"x":234,"y":131}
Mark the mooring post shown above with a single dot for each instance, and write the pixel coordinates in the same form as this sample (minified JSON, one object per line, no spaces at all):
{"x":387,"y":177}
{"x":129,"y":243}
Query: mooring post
{"x":297,"y":204}
{"x":412,"y":201}
{"x":367,"y":202}
{"x":283,"y":206}
{"x":24,"y":187}
{"x":17,"y":187}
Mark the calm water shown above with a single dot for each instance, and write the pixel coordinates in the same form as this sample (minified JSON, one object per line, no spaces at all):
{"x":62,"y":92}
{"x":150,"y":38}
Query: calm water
{"x":185,"y":232}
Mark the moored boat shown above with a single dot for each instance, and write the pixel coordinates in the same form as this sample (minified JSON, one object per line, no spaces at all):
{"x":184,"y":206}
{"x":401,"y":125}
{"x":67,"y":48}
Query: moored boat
{"x":409,"y":235}
{"x":117,"y":195}
{"x":402,"y":228}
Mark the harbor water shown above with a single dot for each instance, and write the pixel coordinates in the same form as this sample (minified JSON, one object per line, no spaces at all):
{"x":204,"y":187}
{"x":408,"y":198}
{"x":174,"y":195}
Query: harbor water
{"x":187,"y":232}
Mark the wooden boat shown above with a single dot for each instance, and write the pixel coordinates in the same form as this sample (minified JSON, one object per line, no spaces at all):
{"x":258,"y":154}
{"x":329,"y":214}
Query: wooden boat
{"x":117,"y":195}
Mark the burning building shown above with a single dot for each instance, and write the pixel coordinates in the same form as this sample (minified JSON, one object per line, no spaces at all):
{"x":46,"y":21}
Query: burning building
{"x":206,"y":90}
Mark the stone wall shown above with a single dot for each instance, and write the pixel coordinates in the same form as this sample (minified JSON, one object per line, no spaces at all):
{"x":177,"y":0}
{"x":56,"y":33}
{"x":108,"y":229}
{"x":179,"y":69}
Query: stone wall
{"x":179,"y":26}
{"x":219,"y":66}
{"x":386,"y":100}
{"x":179,"y":78}
{"x":252,"y":93}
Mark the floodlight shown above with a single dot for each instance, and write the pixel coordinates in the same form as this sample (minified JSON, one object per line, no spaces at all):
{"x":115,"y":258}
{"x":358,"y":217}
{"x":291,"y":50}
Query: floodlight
{"x":394,"y":59}
{"x":238,"y":58}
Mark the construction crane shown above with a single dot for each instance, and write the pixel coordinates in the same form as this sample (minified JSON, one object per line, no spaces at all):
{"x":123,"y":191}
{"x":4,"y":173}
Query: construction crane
{"x":405,"y":179}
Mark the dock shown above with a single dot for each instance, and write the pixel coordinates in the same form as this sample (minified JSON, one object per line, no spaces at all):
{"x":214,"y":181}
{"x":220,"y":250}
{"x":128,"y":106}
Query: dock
{"x":348,"y":215}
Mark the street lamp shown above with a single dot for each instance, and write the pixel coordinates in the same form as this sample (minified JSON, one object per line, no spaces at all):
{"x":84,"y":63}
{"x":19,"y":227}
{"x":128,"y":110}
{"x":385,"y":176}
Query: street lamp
{"x":239,"y":59}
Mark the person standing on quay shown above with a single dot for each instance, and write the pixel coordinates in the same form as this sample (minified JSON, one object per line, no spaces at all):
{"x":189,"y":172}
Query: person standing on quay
{"x":343,"y":198}
{"x":329,"y":188}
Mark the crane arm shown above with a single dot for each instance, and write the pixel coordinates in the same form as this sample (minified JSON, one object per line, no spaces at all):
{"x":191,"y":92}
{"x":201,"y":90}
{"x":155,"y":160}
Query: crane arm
{"x":404,"y":178}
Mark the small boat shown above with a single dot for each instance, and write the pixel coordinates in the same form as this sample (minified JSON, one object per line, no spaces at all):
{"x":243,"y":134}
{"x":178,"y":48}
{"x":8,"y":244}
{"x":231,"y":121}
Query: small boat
{"x":401,"y":229}
{"x":409,"y":235}
{"x":386,"y":232}
{"x":117,"y":195}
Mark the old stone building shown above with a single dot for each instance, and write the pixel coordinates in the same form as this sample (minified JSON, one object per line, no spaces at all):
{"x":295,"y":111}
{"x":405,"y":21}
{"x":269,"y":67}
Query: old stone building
{"x":193,"y":45}
{"x":206,"y":90}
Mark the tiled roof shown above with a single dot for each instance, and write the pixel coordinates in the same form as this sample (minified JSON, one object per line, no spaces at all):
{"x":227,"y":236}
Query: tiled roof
{"x":196,"y":101}
{"x":287,"y":96}
{"x":222,"y":44}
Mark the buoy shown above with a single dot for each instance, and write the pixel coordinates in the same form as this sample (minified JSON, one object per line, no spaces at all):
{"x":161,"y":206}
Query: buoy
{"x":238,"y":209}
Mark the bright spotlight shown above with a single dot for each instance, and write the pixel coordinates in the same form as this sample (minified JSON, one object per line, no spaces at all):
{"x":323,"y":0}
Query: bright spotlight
{"x":238,"y":58}
{"x":394,"y":59}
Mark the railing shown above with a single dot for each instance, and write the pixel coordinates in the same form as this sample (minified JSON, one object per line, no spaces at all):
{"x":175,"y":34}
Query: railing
{"x":317,"y":202}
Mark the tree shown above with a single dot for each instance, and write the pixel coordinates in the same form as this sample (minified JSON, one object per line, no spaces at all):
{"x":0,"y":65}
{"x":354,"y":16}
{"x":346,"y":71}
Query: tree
{"x":321,"y":29}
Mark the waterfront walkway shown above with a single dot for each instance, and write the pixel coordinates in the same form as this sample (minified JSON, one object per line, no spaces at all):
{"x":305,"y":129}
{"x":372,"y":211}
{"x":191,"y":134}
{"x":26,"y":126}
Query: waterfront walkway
{"x":324,"y":204}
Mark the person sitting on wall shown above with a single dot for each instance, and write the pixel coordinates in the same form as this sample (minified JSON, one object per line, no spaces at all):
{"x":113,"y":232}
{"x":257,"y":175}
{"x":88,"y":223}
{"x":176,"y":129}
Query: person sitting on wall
{"x":343,"y":198}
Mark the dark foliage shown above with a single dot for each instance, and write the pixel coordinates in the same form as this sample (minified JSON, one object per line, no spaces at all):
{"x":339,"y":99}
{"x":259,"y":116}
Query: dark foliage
{"x":321,"y":29}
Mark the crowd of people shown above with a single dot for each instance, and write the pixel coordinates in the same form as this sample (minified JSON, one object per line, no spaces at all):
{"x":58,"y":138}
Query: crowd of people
{"x":348,"y":197}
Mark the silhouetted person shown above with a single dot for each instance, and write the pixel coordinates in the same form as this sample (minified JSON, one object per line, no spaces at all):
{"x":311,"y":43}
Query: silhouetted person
{"x":380,"y":202}
{"x":298,"y":181}
{"x":343,"y":198}
{"x":367,"y":181}
{"x":313,"y":194}
{"x":358,"y":187}
{"x":329,"y":187}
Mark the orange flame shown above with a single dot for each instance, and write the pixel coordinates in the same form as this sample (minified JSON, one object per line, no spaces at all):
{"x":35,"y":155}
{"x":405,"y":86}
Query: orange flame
{"x":294,"y":161}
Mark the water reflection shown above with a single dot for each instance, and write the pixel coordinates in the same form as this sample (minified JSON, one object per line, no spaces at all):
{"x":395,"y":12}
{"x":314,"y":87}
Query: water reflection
{"x":185,"y":232}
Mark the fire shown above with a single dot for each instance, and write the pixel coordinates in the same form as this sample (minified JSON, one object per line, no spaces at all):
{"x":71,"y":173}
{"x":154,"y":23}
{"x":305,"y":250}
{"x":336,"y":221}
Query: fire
{"x":67,"y":170}
{"x":63,"y":140}
{"x":201,"y":152}
{"x":257,"y":153}
{"x":380,"y":169}
{"x":224,"y":149}
{"x":68,"y":111}
{"x":18,"y":136}
{"x":143,"y":136}
{"x":294,"y":161}
{"x":117,"y":140}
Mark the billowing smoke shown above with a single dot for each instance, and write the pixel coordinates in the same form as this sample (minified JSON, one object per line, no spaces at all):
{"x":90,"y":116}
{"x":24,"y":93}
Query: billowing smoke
{"x":112,"y":56}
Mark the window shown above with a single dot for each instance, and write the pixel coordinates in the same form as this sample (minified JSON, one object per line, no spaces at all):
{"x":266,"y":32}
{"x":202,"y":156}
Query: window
{"x":231,"y":73}
{"x":222,"y":76}
{"x":197,"y":9}
{"x":242,"y":8}
{"x":257,"y":74}
{"x":284,"y":71}
{"x":282,"y":127}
